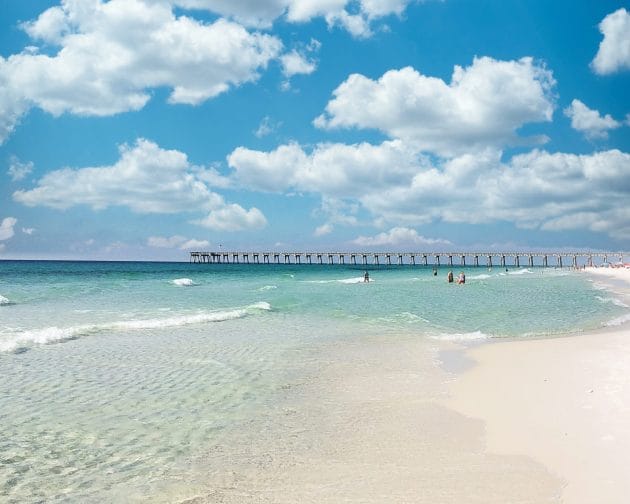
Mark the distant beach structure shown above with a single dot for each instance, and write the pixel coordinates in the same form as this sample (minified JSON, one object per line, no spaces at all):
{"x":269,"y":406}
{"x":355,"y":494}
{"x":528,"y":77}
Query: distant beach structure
{"x":435,"y":259}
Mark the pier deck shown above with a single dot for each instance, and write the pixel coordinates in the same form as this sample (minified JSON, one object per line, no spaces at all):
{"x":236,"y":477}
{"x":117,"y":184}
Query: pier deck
{"x":486,"y":259}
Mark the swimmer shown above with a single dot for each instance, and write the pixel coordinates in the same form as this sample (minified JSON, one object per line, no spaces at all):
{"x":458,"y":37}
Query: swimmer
{"x":449,"y":277}
{"x":461,"y":279}
{"x":366,"y":277}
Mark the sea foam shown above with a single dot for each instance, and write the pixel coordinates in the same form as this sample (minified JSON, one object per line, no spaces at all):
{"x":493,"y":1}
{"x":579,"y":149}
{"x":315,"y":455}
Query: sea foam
{"x":183,"y":282}
{"x":471,"y":336}
{"x":4,"y":301}
{"x":16,"y":341}
{"x":618,"y":321}
{"x":483,"y":276}
{"x":615,"y":301}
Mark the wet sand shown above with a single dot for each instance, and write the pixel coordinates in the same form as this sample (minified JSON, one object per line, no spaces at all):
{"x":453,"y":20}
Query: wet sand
{"x":371,"y":427}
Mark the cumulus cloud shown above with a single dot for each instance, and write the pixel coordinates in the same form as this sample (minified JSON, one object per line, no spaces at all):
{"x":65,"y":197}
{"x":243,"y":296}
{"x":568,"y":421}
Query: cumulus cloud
{"x":146,"y":179}
{"x":18,"y":170}
{"x":399,"y":236}
{"x":233,"y":218}
{"x":337,"y":170}
{"x":483,"y":105}
{"x":589,"y":121}
{"x":111,"y":54}
{"x":28,"y":231}
{"x":324,"y":229}
{"x":537,"y":189}
{"x":614,"y":50}
{"x":294,"y":63}
{"x":397,"y":185}
{"x":353,"y":15}
{"x":6,"y":228}
{"x":176,"y":241}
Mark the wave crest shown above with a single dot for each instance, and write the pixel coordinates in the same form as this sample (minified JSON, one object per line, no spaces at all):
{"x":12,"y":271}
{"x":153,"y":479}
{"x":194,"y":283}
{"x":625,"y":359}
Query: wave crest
{"x":19,"y":341}
{"x":183,"y":282}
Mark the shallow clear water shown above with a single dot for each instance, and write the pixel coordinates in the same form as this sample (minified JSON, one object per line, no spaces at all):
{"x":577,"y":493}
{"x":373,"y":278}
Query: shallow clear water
{"x":115,"y":376}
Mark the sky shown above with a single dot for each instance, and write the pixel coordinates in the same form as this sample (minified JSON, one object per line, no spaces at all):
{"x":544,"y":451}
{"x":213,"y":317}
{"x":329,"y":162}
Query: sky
{"x":144,"y":129}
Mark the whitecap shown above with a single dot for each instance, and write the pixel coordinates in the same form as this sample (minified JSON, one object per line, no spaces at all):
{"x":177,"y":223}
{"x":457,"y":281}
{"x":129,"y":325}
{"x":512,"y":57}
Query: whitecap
{"x":483,"y":276}
{"x":267,"y":287}
{"x":4,"y":301}
{"x":18,"y":340}
{"x":183,"y":282}
{"x":353,"y":280}
{"x":519,"y":272}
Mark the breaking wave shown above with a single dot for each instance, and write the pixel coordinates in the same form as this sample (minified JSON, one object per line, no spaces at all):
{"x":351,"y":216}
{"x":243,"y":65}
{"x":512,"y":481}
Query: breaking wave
{"x":21,"y":340}
{"x":618,"y":321}
{"x":183,"y":282}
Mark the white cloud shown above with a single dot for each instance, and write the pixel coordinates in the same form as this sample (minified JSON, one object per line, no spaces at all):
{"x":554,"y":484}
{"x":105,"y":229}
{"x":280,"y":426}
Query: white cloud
{"x":18,"y":170}
{"x":28,"y":231}
{"x":112,"y":54}
{"x":294,"y":63}
{"x":483,"y":105}
{"x":258,"y":13}
{"x":337,"y":170}
{"x":399,"y":236}
{"x":589,"y":121}
{"x":614,"y":50}
{"x":146,"y":179}
{"x":194,"y":244}
{"x":266,"y":127}
{"x":323,"y":230}
{"x":397,"y":186}
{"x":262,"y":13}
{"x":176,"y":241}
{"x":533,"y":190}
{"x":233,"y":218}
{"x":6,"y":228}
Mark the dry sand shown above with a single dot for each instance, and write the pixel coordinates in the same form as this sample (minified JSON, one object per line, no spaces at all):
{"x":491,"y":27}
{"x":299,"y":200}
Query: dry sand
{"x":563,"y":402}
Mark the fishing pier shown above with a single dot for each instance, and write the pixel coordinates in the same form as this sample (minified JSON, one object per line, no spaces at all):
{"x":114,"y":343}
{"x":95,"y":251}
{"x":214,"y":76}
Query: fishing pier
{"x":476,"y":259}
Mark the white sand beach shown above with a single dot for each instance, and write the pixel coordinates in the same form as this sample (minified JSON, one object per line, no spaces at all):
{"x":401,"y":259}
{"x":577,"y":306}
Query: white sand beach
{"x":564,"y":402}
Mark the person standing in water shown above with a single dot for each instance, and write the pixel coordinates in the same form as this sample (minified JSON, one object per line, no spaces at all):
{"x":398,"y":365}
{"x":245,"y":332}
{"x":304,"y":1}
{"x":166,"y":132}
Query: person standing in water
{"x":449,"y":277}
{"x":461,"y":279}
{"x":366,"y":277}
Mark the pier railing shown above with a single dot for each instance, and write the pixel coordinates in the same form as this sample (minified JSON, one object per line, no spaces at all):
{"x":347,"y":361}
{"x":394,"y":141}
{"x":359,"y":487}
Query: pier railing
{"x":487,"y":259}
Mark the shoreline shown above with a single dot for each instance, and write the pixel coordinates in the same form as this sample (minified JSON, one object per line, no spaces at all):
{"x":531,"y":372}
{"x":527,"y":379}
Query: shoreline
{"x":403,"y":419}
{"x":564,"y":402}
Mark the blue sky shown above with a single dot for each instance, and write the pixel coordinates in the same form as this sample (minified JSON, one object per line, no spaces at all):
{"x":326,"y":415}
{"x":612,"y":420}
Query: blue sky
{"x":137,"y":129}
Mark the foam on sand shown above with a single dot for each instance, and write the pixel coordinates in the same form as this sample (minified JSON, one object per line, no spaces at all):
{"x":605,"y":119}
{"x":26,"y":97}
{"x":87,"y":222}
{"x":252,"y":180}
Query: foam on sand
{"x":21,"y":340}
{"x":4,"y":301}
{"x":471,"y":336}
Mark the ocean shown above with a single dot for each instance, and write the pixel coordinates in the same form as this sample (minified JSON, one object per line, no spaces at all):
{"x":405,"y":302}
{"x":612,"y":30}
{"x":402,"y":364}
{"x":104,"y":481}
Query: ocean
{"x":138,"y":381}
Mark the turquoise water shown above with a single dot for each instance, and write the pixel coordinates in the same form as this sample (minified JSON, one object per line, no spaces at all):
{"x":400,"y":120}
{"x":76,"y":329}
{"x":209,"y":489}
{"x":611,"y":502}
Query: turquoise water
{"x":115,"y":378}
